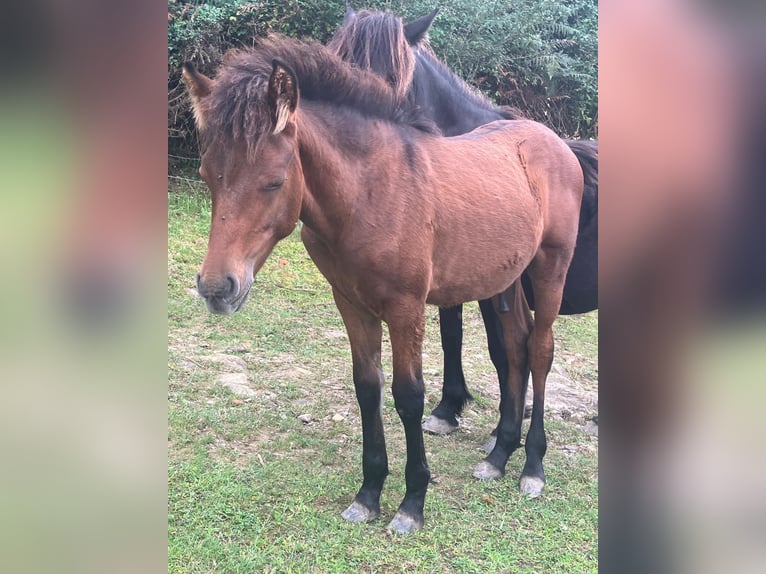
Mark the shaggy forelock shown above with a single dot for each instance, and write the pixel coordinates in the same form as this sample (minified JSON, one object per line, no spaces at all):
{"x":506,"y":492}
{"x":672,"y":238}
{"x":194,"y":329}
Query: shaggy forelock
{"x":237,"y":109}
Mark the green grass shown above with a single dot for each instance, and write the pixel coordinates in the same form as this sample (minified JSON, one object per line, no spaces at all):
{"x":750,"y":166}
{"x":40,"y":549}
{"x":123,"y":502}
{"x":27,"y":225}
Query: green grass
{"x":254,"y":489}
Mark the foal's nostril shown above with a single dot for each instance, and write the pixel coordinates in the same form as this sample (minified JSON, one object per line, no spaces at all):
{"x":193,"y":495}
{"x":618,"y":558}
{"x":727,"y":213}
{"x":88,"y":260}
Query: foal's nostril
{"x":232,"y":285}
{"x":224,"y":287}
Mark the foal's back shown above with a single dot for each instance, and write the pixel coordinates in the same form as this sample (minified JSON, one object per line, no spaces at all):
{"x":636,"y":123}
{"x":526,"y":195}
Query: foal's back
{"x":498,"y":192}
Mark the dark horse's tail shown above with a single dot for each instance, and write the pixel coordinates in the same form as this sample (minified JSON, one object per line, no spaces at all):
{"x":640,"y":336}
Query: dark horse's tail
{"x":587,"y":154}
{"x":581,"y":287}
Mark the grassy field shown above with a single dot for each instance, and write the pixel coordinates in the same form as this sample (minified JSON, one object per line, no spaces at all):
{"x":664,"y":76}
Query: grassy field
{"x":252,"y":488}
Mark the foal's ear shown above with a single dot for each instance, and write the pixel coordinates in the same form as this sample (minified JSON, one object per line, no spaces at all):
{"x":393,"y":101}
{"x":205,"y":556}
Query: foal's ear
{"x":199,"y":87}
{"x":283,"y":94}
{"x":416,"y":30}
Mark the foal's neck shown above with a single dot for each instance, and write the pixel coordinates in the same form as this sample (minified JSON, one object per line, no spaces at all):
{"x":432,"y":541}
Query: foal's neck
{"x":327,"y":144}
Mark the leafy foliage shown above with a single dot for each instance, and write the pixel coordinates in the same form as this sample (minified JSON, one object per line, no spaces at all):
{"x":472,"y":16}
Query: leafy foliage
{"x":537,"y":55}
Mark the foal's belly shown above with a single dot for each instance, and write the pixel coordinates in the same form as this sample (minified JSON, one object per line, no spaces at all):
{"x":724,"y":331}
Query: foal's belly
{"x":477,"y":278}
{"x":483,"y":257}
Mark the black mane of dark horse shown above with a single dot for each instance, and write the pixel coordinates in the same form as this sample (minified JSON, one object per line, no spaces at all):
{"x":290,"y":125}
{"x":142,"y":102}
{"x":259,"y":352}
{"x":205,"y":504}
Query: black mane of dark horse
{"x":457,"y":109}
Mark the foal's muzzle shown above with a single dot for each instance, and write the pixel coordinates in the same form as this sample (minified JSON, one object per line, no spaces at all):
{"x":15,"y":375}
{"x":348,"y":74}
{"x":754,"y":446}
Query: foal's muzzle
{"x":223,"y":295}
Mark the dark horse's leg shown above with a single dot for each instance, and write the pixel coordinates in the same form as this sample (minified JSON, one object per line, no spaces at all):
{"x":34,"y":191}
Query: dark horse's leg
{"x":497,"y":350}
{"x":406,"y":326}
{"x":455,"y":395}
{"x":365,"y":335}
{"x":495,"y":339}
{"x":517,"y":324}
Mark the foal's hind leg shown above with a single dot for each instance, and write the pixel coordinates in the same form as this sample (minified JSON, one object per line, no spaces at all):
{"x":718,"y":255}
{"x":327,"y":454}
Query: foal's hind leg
{"x":547,"y":272}
{"x":516,"y":327}
{"x":365,"y":335}
{"x":443,"y":419}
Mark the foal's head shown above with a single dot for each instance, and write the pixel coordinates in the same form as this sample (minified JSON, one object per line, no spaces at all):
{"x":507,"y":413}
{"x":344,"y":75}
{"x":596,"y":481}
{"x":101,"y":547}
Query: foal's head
{"x":249,"y":122}
{"x":250,"y":163}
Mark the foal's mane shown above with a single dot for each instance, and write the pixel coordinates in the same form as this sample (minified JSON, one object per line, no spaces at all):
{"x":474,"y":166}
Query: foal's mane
{"x":237,"y":108}
{"x":376,"y":41}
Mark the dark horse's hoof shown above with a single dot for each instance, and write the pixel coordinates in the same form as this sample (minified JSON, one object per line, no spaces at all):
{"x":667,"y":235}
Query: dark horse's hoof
{"x":487,"y":471}
{"x":435,"y":425}
{"x":404,"y":523}
{"x":358,"y":512}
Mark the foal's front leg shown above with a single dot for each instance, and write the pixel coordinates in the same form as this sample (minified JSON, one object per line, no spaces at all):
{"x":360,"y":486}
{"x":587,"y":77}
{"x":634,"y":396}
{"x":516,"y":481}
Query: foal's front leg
{"x":365,"y":335}
{"x":406,"y":325}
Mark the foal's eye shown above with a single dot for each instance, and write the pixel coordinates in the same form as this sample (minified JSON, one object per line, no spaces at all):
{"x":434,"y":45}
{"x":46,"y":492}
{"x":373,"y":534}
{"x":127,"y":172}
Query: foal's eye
{"x":274,"y":185}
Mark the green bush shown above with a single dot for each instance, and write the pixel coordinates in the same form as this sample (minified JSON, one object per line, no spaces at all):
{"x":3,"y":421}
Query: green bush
{"x":202,"y":31}
{"x":537,"y":55}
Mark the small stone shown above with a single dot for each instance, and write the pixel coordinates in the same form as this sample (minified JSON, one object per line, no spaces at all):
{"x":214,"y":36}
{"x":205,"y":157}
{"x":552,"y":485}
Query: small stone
{"x":305,"y":418}
{"x":337,"y":417}
{"x":236,"y":383}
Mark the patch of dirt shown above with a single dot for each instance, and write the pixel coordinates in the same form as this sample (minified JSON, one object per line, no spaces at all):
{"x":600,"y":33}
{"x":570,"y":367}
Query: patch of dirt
{"x":334,"y":334}
{"x":564,"y":397}
{"x":226,"y":363}
{"x":567,"y":399}
{"x":240,"y":453}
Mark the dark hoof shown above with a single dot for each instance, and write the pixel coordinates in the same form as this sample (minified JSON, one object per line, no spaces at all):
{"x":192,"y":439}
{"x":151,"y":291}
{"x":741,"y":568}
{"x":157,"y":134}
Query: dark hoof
{"x":487,"y":471}
{"x":435,"y":425}
{"x":490,"y":444}
{"x":532,"y":486}
{"x":404,"y":523}
{"x":359,"y":513}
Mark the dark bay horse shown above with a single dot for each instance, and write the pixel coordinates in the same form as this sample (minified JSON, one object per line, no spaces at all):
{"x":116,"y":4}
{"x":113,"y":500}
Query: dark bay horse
{"x":395,"y":217}
{"x":380,"y":42}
